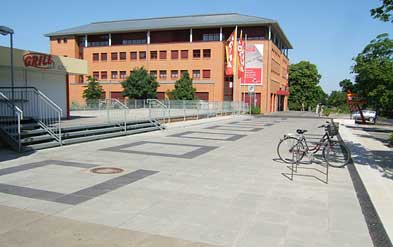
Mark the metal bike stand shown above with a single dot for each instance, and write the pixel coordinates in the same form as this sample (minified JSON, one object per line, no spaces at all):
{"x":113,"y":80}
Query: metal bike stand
{"x":295,"y":164}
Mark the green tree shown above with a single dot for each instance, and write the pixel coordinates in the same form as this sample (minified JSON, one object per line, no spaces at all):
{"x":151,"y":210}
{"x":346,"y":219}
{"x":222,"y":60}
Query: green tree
{"x":93,"y":91}
{"x":337,"y":99}
{"x":346,"y":85}
{"x":384,"y":12}
{"x":303,"y":85}
{"x":374,"y":73}
{"x":140,"y":85}
{"x":183,"y":88}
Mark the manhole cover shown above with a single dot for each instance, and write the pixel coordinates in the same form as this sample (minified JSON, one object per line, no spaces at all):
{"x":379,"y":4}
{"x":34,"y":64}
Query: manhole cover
{"x":106,"y":170}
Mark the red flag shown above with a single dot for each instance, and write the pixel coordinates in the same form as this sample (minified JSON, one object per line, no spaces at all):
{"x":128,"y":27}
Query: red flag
{"x":230,"y":54}
{"x":241,"y":56}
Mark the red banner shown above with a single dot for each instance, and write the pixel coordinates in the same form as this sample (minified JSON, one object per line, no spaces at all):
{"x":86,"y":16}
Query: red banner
{"x":230,"y":54}
{"x":253,"y":65}
{"x":241,"y":57}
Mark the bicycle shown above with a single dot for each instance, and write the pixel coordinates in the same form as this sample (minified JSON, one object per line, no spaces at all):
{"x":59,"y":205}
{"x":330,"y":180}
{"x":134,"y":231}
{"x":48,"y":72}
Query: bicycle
{"x":335,"y":153}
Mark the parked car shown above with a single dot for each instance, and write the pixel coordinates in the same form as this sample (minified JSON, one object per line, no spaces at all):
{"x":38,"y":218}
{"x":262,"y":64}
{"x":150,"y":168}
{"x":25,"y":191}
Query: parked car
{"x":369,"y":116}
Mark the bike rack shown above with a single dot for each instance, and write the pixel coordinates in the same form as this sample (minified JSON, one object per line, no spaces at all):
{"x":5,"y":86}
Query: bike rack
{"x":295,"y":165}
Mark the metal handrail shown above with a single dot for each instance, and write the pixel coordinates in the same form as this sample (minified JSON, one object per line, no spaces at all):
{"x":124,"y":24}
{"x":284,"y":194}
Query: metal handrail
{"x":122,"y":120}
{"x":154,"y":120}
{"x":6,"y":124}
{"x":39,"y":107}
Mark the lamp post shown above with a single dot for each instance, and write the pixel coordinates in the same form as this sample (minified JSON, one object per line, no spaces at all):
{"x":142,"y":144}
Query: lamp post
{"x":4,"y":31}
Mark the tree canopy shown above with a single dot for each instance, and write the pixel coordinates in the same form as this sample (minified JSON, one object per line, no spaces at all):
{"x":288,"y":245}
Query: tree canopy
{"x":93,"y":90}
{"x":337,"y":99}
{"x":183,"y":88}
{"x":346,"y":85}
{"x":374,"y":73}
{"x":384,"y":12}
{"x":305,"y":90}
{"x":140,"y":85}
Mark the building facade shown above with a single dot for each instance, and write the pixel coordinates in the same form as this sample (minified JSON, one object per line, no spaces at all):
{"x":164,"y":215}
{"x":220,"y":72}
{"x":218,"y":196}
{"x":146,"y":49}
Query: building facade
{"x":44,"y":72}
{"x":166,"y":47}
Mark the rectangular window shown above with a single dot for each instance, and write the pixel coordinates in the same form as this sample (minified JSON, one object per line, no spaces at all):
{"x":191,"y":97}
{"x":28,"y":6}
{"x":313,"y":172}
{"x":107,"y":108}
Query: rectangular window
{"x":162,"y":54}
{"x":206,"y":53}
{"x":184,"y":54}
{"x":153,"y":55}
{"x":175,"y":54}
{"x":95,"y":57}
{"x":104,"y":57}
{"x":81,"y":79}
{"x":114,"y":55}
{"x":65,"y":40}
{"x":162,"y":74}
{"x":133,"y":55}
{"x":123,"y":56}
{"x":59,"y":41}
{"x":114,"y":75}
{"x":123,"y":74}
{"x":96,"y":74}
{"x":206,"y":74}
{"x":153,"y":73}
{"x":174,"y":74}
{"x":196,"y":74}
{"x":196,"y":53}
{"x":142,"y":55}
{"x":104,"y":75}
{"x":211,"y":36}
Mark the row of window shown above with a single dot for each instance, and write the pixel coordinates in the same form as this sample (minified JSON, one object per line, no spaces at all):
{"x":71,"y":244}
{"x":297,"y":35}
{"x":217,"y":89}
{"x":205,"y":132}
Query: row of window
{"x":154,"y":55}
{"x":162,"y":74}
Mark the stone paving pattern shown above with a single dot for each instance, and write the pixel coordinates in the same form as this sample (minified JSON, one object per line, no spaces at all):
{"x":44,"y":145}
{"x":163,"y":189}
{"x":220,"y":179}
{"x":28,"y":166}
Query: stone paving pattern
{"x":231,"y":195}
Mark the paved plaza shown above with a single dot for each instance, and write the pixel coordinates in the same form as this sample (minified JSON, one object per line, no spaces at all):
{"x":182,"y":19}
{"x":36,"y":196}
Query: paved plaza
{"x":211,"y":182}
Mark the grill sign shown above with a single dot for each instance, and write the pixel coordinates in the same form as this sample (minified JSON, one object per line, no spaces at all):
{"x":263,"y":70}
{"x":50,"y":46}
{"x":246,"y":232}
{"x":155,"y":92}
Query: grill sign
{"x":38,"y":60}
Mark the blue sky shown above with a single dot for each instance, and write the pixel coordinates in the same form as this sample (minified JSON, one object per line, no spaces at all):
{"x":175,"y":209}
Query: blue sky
{"x":327,"y":33}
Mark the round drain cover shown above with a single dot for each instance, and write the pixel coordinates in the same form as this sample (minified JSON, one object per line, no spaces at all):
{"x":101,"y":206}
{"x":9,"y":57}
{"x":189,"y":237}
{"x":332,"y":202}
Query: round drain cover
{"x":106,"y":170}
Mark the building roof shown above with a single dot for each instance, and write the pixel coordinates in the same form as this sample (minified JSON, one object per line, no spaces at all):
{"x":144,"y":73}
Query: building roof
{"x":175,"y":22}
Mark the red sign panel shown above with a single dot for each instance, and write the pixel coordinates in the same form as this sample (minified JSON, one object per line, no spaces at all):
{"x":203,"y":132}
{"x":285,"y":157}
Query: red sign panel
{"x":38,"y":60}
{"x":254,"y":65}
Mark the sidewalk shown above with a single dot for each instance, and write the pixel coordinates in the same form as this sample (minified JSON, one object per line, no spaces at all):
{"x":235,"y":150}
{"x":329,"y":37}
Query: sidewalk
{"x":374,"y":162}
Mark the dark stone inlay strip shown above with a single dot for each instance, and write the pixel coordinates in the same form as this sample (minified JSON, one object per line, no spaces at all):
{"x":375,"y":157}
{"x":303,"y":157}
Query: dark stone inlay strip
{"x":189,"y":155}
{"x":29,"y":192}
{"x":230,"y":128}
{"x":375,"y":226}
{"x":34,"y":165}
{"x":232,"y":137}
{"x":105,"y":187}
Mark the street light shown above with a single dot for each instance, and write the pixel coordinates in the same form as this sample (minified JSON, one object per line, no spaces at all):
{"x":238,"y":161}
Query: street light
{"x":4,"y":31}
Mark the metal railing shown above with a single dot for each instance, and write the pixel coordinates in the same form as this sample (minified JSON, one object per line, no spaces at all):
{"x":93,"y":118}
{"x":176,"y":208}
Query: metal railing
{"x":168,"y":110}
{"x":157,"y":112}
{"x":36,"y":105}
{"x":10,"y":120}
{"x":116,"y":112}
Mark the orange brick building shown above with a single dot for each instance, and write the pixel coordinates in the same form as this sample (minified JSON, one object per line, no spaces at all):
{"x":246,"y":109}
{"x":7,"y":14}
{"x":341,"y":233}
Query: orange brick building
{"x":168,"y":46}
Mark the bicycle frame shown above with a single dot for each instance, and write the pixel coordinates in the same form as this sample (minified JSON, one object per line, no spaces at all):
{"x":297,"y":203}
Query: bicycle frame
{"x":318,"y":146}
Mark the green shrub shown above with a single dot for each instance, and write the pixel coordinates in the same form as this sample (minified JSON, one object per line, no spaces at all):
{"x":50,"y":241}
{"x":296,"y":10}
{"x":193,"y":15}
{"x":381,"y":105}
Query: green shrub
{"x":255,"y":110}
{"x":327,"y":111}
{"x":391,"y":138}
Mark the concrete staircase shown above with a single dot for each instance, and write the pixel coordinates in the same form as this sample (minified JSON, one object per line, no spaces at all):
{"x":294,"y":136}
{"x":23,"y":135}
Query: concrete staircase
{"x":34,"y":137}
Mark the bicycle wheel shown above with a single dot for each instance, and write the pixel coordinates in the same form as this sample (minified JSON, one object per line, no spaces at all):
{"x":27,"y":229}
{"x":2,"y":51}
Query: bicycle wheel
{"x":336,"y":154}
{"x":286,"y":147}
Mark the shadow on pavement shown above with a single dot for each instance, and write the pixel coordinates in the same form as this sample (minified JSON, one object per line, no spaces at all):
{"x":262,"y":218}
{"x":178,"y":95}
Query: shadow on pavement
{"x":379,"y":160}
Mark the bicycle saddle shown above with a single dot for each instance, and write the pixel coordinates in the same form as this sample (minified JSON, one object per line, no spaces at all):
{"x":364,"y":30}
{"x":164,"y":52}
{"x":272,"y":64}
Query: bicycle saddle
{"x":300,"y":131}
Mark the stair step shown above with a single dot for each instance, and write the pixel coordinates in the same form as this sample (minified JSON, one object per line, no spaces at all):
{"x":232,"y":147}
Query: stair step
{"x":34,"y":139}
{"x":89,"y":132}
{"x":41,"y":146}
{"x":108,"y":135}
{"x":97,"y":126}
